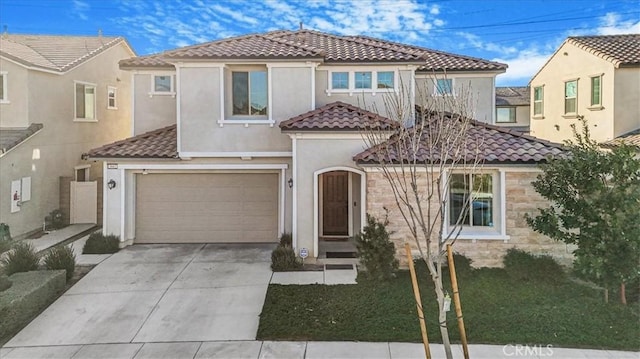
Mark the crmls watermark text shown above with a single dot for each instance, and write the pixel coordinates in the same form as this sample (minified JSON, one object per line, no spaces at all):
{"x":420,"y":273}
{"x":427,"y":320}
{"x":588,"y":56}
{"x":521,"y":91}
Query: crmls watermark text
{"x":519,"y":350}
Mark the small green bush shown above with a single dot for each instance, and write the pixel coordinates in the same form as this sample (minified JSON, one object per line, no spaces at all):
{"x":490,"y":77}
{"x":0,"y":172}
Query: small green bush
{"x":463,"y":264}
{"x":4,"y":245}
{"x":376,"y":252}
{"x":98,"y":243}
{"x":5,"y":283}
{"x":55,"y":220}
{"x":61,"y":258}
{"x":524,"y":266}
{"x":23,"y":258}
{"x":283,"y":259}
{"x":286,"y":240}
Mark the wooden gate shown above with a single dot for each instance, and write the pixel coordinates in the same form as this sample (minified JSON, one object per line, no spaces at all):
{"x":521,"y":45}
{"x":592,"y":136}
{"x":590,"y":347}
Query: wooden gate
{"x":84,"y":202}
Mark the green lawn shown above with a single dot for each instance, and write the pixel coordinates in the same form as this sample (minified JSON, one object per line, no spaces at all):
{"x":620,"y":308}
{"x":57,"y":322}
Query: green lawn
{"x":498,"y":308}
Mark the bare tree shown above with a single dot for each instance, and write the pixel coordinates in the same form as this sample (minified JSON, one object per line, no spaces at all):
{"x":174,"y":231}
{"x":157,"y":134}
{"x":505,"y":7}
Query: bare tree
{"x":434,"y":146}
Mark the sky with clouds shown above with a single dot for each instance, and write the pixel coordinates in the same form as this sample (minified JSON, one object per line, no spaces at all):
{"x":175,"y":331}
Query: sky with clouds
{"x":520,"y":33}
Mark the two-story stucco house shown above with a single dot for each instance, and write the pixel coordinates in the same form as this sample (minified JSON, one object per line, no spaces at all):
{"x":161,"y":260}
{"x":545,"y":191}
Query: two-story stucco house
{"x":595,"y":77}
{"x":59,"y":97}
{"x":512,"y":108}
{"x":242,"y":139}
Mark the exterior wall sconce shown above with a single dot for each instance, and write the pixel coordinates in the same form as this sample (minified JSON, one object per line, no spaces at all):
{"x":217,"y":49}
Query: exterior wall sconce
{"x":290,"y":182}
{"x":111,"y":184}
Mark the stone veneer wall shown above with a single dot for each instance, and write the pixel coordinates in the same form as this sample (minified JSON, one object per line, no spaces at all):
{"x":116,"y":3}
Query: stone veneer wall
{"x":521,"y":198}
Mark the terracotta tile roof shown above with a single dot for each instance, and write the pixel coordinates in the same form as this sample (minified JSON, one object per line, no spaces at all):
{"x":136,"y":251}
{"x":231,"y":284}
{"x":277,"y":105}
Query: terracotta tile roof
{"x":55,"y":53}
{"x":11,"y":137}
{"x":512,"y":96}
{"x":495,"y":145}
{"x":621,"y":50}
{"x":306,"y":44}
{"x":630,"y":138}
{"x":337,"y":116}
{"x":160,"y":143}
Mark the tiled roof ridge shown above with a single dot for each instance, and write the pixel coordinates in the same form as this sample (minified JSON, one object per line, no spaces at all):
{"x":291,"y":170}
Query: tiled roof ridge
{"x":29,"y":131}
{"x":504,"y":129}
{"x":426,"y":49}
{"x":578,"y":41}
{"x":90,"y":54}
{"x":330,"y":106}
{"x":135,"y":138}
{"x":350,"y":39}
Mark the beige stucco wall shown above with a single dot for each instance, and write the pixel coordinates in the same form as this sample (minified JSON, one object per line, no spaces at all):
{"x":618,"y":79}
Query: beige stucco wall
{"x":62,"y":141}
{"x":569,"y":63}
{"x":521,"y":199}
{"x":627,"y":100}
{"x":475,"y":93}
{"x":15,"y":112}
{"x":151,"y":111}
{"x":314,"y":155}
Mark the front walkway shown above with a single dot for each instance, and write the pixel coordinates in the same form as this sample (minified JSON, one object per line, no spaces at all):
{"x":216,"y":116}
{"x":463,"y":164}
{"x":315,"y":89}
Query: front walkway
{"x":300,"y":350}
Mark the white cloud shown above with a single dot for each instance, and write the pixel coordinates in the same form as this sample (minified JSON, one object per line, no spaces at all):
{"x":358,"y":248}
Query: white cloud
{"x":435,"y":10}
{"x":611,"y":24}
{"x":478,"y":43}
{"x":234,"y":14}
{"x":80,"y":9}
{"x":522,"y":67}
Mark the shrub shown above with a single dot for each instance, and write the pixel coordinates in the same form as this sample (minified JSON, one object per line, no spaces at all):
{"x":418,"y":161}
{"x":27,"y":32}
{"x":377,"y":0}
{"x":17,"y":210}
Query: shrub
{"x":98,"y":243}
{"x":283,"y":259}
{"x":523,"y":266}
{"x":376,"y":252}
{"x":286,"y":240}
{"x":23,"y":258}
{"x":54,"y":220}
{"x":463,"y":263}
{"x":61,"y":258}
{"x":4,"y":245}
{"x":5,"y":283}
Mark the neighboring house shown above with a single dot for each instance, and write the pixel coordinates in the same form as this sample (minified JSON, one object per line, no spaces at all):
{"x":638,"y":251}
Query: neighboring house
{"x":595,"y":77}
{"x":630,"y":139}
{"x":243,"y":139}
{"x":59,"y":97}
{"x":512,"y":108}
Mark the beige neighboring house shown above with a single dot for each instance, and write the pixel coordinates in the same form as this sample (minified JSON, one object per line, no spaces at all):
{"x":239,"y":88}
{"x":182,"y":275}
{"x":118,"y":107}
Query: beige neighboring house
{"x":512,"y":108}
{"x":246,"y":138}
{"x":595,"y":77}
{"x":59,"y":97}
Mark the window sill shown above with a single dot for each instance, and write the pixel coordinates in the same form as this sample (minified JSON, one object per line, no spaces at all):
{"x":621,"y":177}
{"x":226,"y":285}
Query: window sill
{"x":484,"y":237}
{"x":3,"y":102}
{"x":351,"y":92}
{"x":112,"y":108}
{"x":595,"y":108}
{"x":506,"y":122}
{"x":246,"y":121}
{"x":538,"y":117}
{"x":84,"y":120}
{"x":570,"y":116}
{"x":172,"y":94}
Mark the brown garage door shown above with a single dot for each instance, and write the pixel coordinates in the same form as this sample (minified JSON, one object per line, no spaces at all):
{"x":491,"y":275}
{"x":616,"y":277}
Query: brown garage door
{"x":206,"y":208}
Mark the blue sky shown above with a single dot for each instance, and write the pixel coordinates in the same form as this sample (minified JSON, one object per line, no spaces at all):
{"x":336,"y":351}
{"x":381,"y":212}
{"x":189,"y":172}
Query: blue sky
{"x":521,"y":33}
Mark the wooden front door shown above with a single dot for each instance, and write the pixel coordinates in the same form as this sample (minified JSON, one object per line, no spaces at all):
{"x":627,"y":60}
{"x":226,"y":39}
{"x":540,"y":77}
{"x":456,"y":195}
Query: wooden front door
{"x":335,"y":203}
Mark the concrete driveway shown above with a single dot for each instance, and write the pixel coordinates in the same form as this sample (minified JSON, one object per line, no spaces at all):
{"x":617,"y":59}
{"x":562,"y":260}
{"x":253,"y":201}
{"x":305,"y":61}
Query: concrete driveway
{"x":160,"y":293}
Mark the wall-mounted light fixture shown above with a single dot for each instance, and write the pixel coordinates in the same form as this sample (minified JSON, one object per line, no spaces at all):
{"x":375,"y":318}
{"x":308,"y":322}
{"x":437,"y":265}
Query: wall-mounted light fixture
{"x":144,"y":171}
{"x":290,"y":182}
{"x":111,"y":184}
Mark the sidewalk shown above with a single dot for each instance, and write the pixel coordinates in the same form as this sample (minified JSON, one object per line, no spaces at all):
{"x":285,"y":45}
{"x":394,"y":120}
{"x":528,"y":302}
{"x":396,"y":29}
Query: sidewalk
{"x":300,"y":350}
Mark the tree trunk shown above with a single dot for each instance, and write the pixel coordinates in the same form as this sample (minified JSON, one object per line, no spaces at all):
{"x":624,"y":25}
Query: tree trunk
{"x":442,"y":317}
{"x":623,"y":294}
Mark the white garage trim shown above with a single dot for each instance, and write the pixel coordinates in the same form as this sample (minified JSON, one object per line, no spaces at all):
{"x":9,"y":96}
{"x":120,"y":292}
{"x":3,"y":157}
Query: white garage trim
{"x":163,"y":168}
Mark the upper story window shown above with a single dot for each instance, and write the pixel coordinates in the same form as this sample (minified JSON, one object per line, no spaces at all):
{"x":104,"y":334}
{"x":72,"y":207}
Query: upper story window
{"x":506,"y":114}
{"x":3,"y":87}
{"x":340,"y":80}
{"x":596,"y":91}
{"x":111,"y":98}
{"x":471,"y":200}
{"x":538,"y":101}
{"x":444,"y":87}
{"x":571,"y":97}
{"x":363,"y":80}
{"x":385,"y":80}
{"x":162,"y":85}
{"x":85,"y":101}
{"x":249,"y":93}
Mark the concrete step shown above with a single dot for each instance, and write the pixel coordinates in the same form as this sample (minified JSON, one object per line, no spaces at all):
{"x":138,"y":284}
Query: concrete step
{"x":337,"y":261}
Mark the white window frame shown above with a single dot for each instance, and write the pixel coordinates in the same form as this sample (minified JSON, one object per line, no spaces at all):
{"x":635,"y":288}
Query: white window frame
{"x":95,"y":102}
{"x":595,"y":106}
{"x":5,"y":89}
{"x":512,"y":110}
{"x":352,"y":82}
{"x":115,"y":97}
{"x":452,"y":88}
{"x":87,"y":173}
{"x":541,"y":101}
{"x":172,"y":90}
{"x":498,"y":231}
{"x":564,"y":103}
{"x":249,"y":115}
